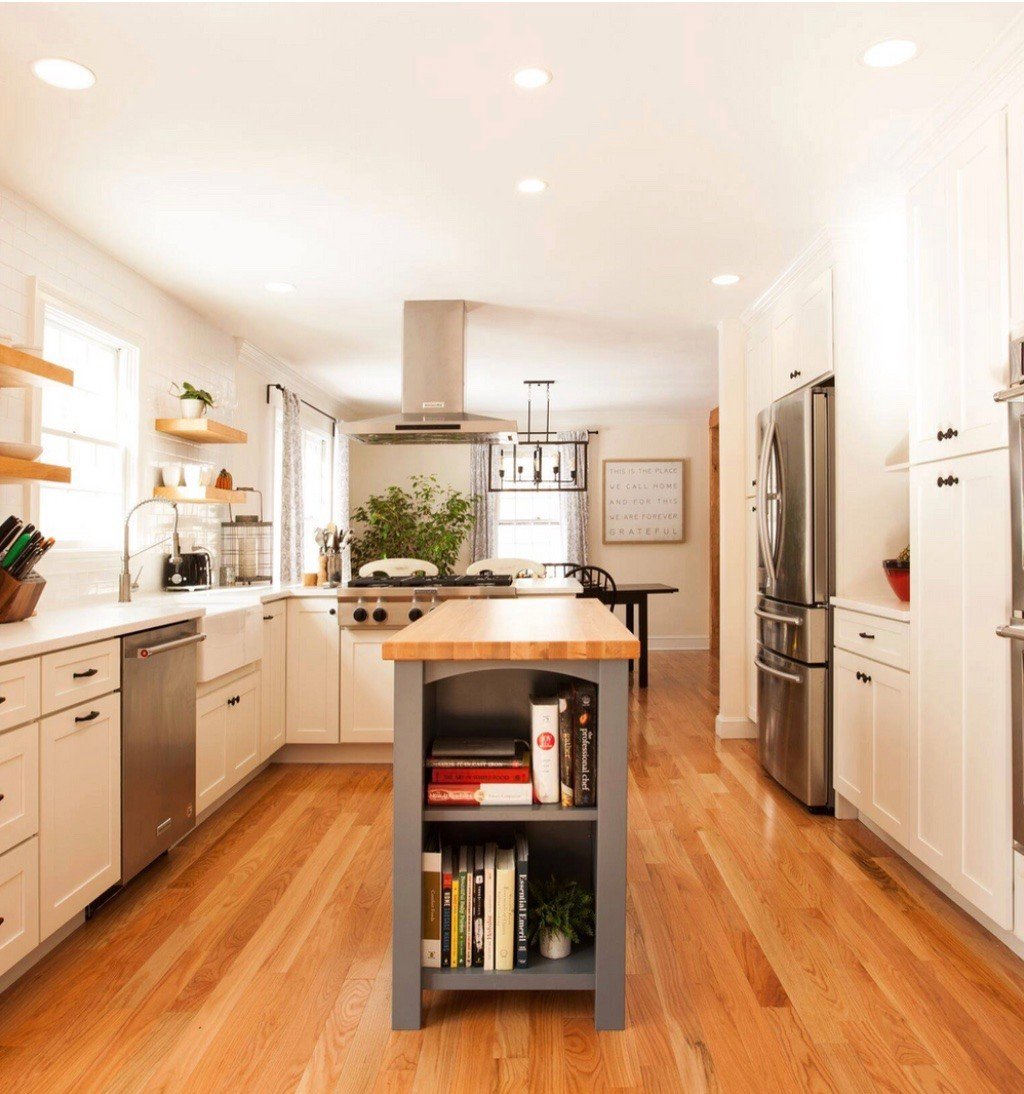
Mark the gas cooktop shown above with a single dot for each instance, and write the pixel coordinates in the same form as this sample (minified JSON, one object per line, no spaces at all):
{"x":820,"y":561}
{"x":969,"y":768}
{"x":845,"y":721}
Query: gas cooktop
{"x":452,"y":581}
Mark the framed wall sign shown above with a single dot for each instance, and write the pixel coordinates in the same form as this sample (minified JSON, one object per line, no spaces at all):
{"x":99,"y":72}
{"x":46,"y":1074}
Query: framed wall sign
{"x":643,"y":501}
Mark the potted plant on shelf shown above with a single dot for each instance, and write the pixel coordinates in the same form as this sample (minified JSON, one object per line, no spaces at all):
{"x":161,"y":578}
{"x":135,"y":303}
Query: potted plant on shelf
{"x":426,"y":521}
{"x":897,"y":572}
{"x":194,"y":401}
{"x":561,"y":913}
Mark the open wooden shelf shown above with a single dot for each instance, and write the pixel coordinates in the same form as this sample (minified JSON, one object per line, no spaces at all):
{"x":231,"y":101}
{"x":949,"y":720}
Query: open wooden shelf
{"x":516,"y":813}
{"x":572,"y":973}
{"x":21,"y":471}
{"x":21,"y":369}
{"x":201,"y":431}
{"x":201,"y":495}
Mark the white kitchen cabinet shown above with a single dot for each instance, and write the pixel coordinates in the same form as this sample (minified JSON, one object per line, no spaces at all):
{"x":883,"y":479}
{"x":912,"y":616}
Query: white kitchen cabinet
{"x":19,"y":903}
{"x":758,"y":396}
{"x":19,"y":785}
{"x":871,"y":739}
{"x":75,"y":675}
{"x":312,"y":684}
{"x":227,"y":736}
{"x":959,"y":299}
{"x":751,"y":603}
{"x":960,"y":800}
{"x":80,"y":808}
{"x":273,"y":676}
{"x":801,"y":343}
{"x":19,"y":693}
{"x":367,"y":691}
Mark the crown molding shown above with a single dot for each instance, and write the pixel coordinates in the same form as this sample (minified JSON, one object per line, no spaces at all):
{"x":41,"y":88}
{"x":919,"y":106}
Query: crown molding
{"x":988,"y":86}
{"x":276,"y":371}
{"x":814,"y":257}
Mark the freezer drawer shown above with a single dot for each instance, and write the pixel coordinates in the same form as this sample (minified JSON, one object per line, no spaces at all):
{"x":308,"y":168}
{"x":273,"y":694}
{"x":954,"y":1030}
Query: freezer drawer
{"x":796,"y":632}
{"x":794,"y":726}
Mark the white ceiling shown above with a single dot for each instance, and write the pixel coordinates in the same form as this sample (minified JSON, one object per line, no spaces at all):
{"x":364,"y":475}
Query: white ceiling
{"x":369,"y":154}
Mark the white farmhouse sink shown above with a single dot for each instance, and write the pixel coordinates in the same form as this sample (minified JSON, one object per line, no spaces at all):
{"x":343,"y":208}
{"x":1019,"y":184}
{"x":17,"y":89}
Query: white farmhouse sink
{"x":234,"y":637}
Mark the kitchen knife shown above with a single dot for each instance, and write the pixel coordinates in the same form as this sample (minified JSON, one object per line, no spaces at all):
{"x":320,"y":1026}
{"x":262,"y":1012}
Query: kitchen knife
{"x":9,"y":532}
{"x":22,"y":565}
{"x":19,"y":546}
{"x":27,"y":562}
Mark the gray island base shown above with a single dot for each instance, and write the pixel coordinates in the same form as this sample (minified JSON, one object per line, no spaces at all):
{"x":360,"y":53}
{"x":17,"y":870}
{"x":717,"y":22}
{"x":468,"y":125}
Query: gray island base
{"x":448,"y":686}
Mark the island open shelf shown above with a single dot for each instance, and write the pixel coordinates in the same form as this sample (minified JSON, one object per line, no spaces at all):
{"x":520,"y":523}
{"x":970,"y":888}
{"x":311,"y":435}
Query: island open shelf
{"x":469,"y":668}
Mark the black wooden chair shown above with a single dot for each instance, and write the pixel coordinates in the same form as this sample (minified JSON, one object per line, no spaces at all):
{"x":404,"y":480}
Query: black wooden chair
{"x":596,"y":582}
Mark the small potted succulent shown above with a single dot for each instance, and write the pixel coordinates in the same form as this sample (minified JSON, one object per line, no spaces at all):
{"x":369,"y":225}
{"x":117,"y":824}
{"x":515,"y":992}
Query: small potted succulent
{"x":561,"y":913}
{"x":194,"y":400}
{"x":897,"y":572}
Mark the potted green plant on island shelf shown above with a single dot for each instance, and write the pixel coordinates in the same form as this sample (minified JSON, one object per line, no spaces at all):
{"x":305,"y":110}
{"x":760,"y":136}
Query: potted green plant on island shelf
{"x":194,"y":401}
{"x":427,"y":521}
{"x":561,"y":914}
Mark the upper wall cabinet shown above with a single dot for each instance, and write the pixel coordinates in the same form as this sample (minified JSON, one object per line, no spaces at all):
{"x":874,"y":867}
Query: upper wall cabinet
{"x":1015,"y":156}
{"x":959,"y":299}
{"x":801,"y":347}
{"x":758,"y":396}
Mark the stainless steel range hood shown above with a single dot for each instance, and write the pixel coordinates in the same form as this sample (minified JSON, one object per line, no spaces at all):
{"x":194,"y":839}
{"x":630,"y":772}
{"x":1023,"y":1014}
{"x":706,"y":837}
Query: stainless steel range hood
{"x":433,"y":385}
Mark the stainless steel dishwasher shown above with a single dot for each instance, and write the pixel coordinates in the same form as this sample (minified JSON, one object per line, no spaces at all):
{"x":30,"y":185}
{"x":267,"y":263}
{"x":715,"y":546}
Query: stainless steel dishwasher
{"x":158,"y":742}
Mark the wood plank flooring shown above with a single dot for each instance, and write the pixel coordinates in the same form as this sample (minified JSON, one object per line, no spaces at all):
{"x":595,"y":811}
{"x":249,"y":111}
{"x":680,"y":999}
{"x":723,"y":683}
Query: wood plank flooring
{"x":769,"y":950}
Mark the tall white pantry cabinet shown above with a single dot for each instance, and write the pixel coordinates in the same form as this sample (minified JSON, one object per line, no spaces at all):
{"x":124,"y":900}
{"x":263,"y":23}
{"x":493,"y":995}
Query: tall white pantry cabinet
{"x":960,"y":768}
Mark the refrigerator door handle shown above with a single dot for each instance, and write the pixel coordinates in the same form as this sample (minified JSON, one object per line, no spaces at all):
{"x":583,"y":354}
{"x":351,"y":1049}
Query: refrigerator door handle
{"x":1013,"y":631}
{"x":762,"y":504}
{"x":792,"y":621}
{"x":791,"y":676}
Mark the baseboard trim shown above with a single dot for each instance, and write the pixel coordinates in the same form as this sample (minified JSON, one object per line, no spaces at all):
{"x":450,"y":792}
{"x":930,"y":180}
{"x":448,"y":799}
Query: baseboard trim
{"x":678,"y":642}
{"x":735,"y":728}
{"x":1008,"y":938}
{"x":333,"y":754}
{"x":44,"y":947}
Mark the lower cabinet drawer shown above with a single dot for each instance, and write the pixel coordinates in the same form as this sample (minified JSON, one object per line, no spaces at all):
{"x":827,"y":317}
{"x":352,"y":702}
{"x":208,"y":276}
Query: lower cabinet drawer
{"x":19,"y":903}
{"x":19,"y":785}
{"x":885,"y":640}
{"x":72,"y":676}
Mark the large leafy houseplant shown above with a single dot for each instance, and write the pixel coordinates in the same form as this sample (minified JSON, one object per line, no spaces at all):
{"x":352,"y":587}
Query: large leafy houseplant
{"x":427,"y":521}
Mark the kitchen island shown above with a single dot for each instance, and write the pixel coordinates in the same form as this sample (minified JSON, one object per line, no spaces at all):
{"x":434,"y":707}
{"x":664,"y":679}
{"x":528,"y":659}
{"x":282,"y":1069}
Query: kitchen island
{"x":470,"y":668}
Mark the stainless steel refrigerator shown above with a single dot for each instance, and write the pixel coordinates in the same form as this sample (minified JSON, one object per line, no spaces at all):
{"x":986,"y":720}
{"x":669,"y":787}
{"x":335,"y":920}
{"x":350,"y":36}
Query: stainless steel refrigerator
{"x":796,"y":577}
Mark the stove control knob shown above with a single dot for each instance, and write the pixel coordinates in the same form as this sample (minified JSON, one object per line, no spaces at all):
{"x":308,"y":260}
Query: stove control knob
{"x":359,"y":615}
{"x":415,"y":613}
{"x":379,"y":615}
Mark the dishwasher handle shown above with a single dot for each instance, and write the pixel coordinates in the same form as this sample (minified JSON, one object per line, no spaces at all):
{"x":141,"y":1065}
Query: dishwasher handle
{"x":145,"y":652}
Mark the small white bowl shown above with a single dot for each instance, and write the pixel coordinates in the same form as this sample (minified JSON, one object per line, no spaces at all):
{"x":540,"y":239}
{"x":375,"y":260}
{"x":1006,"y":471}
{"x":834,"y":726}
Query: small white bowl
{"x":193,"y":473}
{"x":170,"y":473}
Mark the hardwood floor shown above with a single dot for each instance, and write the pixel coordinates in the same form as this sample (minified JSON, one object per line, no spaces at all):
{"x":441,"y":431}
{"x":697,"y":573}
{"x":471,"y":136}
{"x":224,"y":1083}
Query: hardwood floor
{"x":768,"y":950}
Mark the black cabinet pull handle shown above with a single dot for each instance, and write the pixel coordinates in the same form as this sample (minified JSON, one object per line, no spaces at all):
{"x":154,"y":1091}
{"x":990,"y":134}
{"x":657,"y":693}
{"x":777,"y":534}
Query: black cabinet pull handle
{"x":3,"y":698}
{"x":1,"y":797}
{"x":83,"y":675}
{"x":949,"y":480}
{"x":266,"y":618}
{"x":864,"y":634}
{"x":90,"y":717}
{"x":1,"y":920}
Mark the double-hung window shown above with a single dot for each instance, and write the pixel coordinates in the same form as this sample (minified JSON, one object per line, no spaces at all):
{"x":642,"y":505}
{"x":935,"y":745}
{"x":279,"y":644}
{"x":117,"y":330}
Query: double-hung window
{"x":530,"y":526}
{"x":91,"y":428}
{"x":317,"y":503}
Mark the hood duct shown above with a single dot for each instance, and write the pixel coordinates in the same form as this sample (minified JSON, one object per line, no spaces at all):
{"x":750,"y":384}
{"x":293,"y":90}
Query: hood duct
{"x":433,"y":385}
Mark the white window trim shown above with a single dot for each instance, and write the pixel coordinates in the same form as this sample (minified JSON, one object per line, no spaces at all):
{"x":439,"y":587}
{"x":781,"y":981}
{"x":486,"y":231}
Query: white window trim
{"x":71,"y":555}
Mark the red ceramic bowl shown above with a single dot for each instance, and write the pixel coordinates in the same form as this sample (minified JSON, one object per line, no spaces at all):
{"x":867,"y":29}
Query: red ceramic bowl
{"x":899,"y":580}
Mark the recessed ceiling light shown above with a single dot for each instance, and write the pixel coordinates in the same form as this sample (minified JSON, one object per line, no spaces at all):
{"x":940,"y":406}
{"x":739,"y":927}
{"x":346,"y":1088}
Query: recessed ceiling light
{"x":279,"y":286}
{"x":725,"y":279}
{"x":69,"y":75}
{"x":531,"y":186}
{"x":891,"y":52}
{"x":529,"y":79}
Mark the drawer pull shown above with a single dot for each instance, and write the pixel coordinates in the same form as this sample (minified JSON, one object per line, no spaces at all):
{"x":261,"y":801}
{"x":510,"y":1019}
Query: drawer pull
{"x":864,"y":634}
{"x":1,"y":797}
{"x":3,"y":698}
{"x":90,"y":717}
{"x":84,"y":675}
{"x":267,"y":618}
{"x":1,"y":920}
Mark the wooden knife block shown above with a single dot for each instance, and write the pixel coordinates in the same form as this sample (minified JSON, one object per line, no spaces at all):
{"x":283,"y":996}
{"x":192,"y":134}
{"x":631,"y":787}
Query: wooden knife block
{"x":18,"y":599}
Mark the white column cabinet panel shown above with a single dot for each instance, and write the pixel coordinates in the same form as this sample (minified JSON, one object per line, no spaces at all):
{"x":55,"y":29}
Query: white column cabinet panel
{"x":959,"y":299}
{"x":367,"y":694}
{"x":801,"y":347}
{"x":758,"y":396}
{"x":312,"y":685}
{"x":751,"y":600}
{"x":273,"y":677}
{"x":960,"y":743}
{"x":80,"y":808}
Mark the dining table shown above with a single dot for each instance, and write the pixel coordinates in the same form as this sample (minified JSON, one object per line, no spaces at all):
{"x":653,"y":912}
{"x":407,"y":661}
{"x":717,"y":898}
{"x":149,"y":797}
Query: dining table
{"x":633,"y":597}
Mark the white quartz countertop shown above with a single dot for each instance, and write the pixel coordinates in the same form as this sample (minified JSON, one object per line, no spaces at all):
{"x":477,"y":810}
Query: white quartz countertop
{"x":880,"y":605}
{"x":58,"y":628}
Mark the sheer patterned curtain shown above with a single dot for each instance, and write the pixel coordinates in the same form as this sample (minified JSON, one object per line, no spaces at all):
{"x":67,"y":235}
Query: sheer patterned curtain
{"x":573,"y":511}
{"x":483,"y":539}
{"x":291,"y":490}
{"x":340,"y":479}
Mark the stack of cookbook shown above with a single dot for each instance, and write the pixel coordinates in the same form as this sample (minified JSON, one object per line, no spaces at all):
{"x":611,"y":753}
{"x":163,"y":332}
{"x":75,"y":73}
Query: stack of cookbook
{"x":479,"y":771}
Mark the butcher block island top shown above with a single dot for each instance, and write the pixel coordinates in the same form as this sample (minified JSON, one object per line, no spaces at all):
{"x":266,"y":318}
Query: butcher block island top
{"x":535,"y":629}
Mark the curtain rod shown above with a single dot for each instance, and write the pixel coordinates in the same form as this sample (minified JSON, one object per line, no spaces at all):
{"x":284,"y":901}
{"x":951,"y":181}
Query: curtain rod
{"x":281,"y":387}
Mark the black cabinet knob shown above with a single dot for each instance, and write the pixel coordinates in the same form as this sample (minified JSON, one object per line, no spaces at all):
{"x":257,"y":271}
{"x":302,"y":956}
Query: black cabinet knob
{"x":379,"y":615}
{"x":333,"y":611}
{"x":359,"y":615}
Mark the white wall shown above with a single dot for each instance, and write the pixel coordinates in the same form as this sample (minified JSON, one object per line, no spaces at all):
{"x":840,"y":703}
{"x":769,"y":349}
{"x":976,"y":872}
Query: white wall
{"x":679,"y":619}
{"x":175,"y":343}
